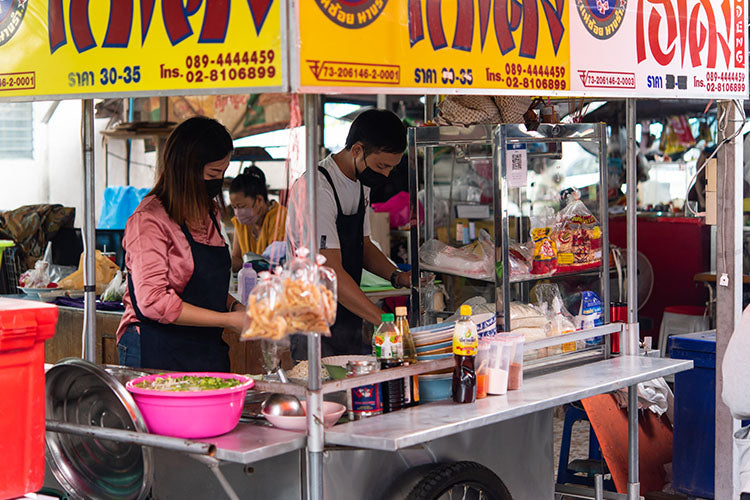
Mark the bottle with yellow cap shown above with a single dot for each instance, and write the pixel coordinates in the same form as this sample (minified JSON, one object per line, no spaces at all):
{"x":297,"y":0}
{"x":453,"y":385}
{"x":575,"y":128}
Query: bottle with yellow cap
{"x":465,"y":344}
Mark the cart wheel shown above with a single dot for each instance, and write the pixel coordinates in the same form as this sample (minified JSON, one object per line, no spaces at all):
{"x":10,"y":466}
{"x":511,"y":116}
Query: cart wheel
{"x":460,"y":480}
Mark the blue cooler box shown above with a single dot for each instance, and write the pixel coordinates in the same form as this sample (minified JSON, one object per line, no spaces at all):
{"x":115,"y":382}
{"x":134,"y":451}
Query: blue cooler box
{"x":694,"y":414}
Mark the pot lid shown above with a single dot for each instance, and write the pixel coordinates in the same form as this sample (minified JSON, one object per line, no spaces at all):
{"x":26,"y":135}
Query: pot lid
{"x":79,"y":392}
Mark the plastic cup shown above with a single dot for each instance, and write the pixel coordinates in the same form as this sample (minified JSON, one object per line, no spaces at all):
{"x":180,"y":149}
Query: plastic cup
{"x":482,"y":363}
{"x":501,"y":352}
{"x":515,"y":372}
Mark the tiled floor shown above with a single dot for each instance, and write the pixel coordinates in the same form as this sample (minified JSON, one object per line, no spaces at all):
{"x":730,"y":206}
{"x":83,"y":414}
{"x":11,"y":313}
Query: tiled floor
{"x":579,"y":441}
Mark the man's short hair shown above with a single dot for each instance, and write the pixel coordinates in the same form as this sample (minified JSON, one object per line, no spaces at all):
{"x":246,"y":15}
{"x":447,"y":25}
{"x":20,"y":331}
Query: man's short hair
{"x":378,"y":130}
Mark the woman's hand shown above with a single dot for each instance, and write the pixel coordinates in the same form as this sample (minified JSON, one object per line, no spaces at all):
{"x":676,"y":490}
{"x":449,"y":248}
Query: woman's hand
{"x":235,"y":321}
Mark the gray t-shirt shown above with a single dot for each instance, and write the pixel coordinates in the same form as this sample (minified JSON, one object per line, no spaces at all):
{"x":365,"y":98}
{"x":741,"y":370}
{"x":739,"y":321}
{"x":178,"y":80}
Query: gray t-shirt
{"x":326,"y":211}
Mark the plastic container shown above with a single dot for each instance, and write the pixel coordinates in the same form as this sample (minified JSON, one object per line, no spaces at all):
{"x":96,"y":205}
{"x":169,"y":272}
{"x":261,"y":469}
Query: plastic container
{"x":387,"y":342}
{"x":246,"y":280}
{"x":694,"y":409}
{"x":501,"y":352}
{"x":24,"y":326}
{"x":515,"y":370}
{"x":483,"y":367}
{"x":191,"y":414}
{"x":437,"y":387}
{"x":3,"y":245}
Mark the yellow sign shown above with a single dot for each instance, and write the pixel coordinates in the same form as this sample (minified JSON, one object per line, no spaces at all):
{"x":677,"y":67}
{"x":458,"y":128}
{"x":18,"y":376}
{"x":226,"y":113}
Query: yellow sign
{"x":466,"y":46}
{"x":61,"y":48}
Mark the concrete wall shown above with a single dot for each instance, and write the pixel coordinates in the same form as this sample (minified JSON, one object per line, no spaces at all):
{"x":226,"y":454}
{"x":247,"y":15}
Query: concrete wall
{"x":55,"y":174}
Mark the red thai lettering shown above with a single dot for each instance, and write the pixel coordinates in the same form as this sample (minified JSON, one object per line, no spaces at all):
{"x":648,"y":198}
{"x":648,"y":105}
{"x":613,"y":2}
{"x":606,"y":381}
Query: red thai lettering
{"x":484,"y":19}
{"x":554,"y":21}
{"x":176,"y":15}
{"x":147,"y":12}
{"x":508,"y":15}
{"x":56,"y":22}
{"x":698,"y":37}
{"x":259,"y":10}
{"x":216,"y":22}
{"x":80,"y":27}
{"x":416,"y":25}
{"x":695,"y":23}
{"x":462,"y":40}
{"x":435,"y":25}
{"x":120,"y":23}
{"x":503,"y":31}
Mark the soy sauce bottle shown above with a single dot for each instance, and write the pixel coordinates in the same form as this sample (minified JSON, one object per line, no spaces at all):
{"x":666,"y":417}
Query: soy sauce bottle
{"x":465,"y":344}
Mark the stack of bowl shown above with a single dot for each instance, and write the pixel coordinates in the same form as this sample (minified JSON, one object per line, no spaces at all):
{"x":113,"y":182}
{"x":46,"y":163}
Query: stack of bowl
{"x":486,"y":324}
{"x":434,"y":342}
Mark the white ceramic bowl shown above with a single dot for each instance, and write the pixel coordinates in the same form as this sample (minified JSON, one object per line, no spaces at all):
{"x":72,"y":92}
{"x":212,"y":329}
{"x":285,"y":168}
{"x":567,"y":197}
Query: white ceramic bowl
{"x":331,"y":414}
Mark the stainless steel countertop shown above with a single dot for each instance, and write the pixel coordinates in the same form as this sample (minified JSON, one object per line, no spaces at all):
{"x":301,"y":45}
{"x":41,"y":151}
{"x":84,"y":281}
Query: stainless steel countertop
{"x":424,"y":423}
{"x":249,"y":443}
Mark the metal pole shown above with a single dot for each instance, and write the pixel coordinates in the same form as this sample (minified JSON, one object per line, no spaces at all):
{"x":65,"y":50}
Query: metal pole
{"x":631,"y":348}
{"x":729,"y":290}
{"x":315,"y":431}
{"x":429,"y":174}
{"x":89,"y":230}
{"x":139,"y":438}
{"x":631,"y":344}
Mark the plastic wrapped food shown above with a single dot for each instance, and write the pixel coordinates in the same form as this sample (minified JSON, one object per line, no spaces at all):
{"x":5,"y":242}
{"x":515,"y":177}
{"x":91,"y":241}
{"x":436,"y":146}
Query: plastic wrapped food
{"x":264,"y":305}
{"x":472,"y":260}
{"x":559,"y":320}
{"x":299,"y":299}
{"x":37,"y":277}
{"x":545,"y":251}
{"x":577,"y":236}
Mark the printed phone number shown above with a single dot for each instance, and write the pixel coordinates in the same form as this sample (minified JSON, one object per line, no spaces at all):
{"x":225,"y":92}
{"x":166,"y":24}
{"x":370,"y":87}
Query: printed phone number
{"x":356,"y":72}
{"x":515,"y":82}
{"x":725,"y":87}
{"x":725,"y":76}
{"x":223,"y":67}
{"x":609,"y":81}
{"x":17,"y":81}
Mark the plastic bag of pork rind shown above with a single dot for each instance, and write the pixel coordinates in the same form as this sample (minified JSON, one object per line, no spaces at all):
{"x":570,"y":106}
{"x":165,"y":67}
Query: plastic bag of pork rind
{"x":577,"y":235}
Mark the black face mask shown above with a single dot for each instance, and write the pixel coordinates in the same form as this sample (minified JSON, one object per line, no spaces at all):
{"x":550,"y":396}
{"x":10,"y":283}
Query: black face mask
{"x":213,"y":187}
{"x":369,"y":177}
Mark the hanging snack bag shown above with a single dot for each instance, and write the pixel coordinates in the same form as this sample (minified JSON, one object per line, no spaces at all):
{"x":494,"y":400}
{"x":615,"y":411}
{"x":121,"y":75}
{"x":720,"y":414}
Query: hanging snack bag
{"x":264,"y":305}
{"x":545,"y":252}
{"x":577,"y":235}
{"x":305,"y":300}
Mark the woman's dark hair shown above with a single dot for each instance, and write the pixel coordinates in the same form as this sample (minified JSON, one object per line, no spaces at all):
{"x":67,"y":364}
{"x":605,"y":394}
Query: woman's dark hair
{"x":181,"y":187}
{"x":378,"y":130}
{"x":251,"y":182}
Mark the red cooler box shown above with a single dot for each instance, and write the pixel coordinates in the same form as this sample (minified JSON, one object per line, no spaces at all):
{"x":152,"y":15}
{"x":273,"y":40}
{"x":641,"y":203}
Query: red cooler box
{"x":24,"y":326}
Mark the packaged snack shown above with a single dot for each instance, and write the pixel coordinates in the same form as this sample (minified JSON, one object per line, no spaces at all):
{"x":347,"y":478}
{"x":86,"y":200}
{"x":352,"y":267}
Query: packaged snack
{"x":577,"y":235}
{"x":545,"y":251}
{"x":264,"y":304}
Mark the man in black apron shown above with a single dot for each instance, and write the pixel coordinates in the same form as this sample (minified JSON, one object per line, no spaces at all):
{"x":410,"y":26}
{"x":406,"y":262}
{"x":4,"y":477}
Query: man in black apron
{"x":374,"y":146}
{"x":191,"y":348}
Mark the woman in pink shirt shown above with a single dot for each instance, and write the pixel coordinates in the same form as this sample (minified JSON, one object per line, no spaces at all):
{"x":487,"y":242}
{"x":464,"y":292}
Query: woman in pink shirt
{"x":177,"y":303}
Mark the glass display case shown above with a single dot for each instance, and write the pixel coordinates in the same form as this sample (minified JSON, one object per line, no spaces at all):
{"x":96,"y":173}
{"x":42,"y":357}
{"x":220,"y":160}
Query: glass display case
{"x":479,"y":193}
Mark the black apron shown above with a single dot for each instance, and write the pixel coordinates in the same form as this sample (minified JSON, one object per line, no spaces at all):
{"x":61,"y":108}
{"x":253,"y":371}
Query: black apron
{"x":191,"y":348}
{"x":346,"y":333}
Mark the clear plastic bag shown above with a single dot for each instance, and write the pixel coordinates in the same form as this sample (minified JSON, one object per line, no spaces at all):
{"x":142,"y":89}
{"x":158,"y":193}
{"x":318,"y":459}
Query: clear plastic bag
{"x":264,"y":305}
{"x":559,"y":320}
{"x":577,"y":235}
{"x":545,"y":251}
{"x":37,"y":277}
{"x":115,"y":289}
{"x":299,"y":299}
{"x":475,"y":260}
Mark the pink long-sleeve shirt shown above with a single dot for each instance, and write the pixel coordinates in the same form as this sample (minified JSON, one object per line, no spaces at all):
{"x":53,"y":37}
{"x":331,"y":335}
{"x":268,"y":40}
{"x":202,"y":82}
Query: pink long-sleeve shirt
{"x":160,"y":262}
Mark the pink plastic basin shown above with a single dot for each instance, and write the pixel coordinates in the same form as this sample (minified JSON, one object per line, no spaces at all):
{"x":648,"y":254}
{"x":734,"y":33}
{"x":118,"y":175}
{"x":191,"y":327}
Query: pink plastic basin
{"x":191,"y":414}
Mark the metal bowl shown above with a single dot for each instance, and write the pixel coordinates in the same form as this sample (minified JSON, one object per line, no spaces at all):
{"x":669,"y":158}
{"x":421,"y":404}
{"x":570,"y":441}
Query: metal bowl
{"x":79,"y":392}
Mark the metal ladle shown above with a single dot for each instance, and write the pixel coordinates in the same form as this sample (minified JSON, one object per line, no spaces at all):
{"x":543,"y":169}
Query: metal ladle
{"x":285,"y":405}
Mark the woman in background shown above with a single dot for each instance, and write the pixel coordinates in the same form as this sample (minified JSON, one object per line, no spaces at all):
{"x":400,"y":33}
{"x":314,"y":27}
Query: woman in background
{"x":258,"y":222}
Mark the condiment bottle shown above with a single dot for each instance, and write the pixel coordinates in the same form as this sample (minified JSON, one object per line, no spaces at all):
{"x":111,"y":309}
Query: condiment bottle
{"x":364,"y":401}
{"x":464,"y":351}
{"x":410,"y":355}
{"x":246,"y":280}
{"x":388,"y":347}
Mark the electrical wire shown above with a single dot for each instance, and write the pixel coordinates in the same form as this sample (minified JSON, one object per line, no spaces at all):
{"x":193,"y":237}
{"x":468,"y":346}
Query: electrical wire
{"x":722,"y":127}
